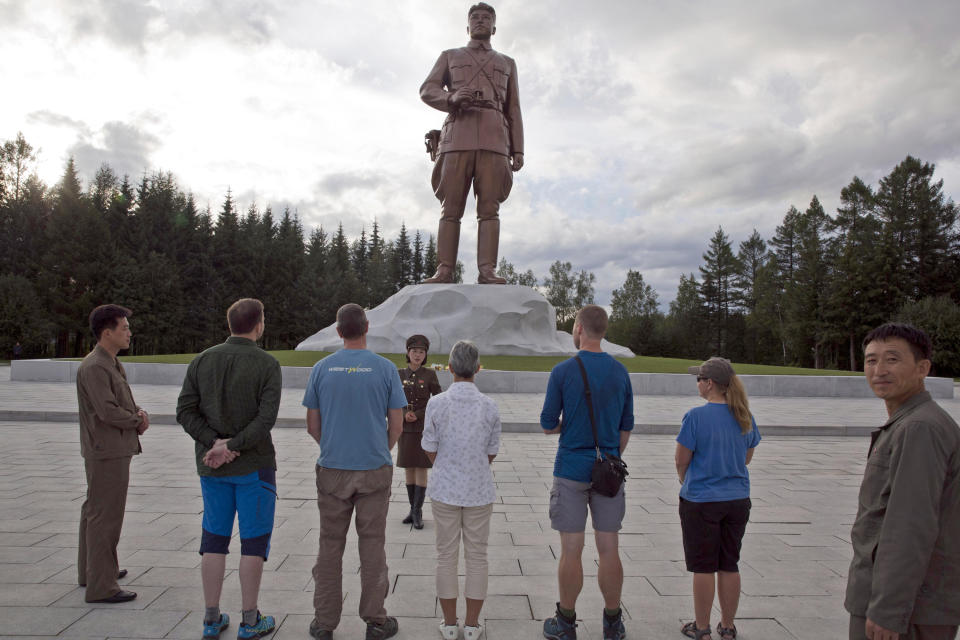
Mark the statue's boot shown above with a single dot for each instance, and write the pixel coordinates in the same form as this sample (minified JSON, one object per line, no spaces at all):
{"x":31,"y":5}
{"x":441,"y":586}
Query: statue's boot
{"x":448,"y":240}
{"x":488,"y":243}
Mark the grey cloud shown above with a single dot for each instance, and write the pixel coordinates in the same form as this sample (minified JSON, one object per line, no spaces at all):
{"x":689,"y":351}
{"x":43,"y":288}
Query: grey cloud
{"x":125,"y":22}
{"x":11,"y":12}
{"x":336,"y":184}
{"x":58,"y":120}
{"x":126,"y":149}
{"x":131,"y":23}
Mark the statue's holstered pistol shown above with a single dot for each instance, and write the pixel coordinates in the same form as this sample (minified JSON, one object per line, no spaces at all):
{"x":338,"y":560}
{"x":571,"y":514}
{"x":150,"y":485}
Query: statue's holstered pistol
{"x":432,"y":141}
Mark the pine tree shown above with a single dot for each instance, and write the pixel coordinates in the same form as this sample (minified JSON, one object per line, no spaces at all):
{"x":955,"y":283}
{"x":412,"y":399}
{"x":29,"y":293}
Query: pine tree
{"x":401,"y":262}
{"x":379,"y":283}
{"x":920,"y":228}
{"x":855,"y":294}
{"x":417,"y":274}
{"x":805,"y":301}
{"x":360,"y":255}
{"x":686,"y":323}
{"x":717,"y":288}
{"x":340,"y":275}
{"x":430,"y":257}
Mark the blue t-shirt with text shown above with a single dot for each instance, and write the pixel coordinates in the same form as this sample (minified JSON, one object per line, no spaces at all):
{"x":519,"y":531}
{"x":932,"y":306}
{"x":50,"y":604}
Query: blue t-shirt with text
{"x":353,"y":389}
{"x":718,"y":469}
{"x":612,"y":409}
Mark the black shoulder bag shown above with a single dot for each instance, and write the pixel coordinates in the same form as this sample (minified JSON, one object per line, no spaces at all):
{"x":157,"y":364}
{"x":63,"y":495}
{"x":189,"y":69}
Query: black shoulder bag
{"x":609,"y":472}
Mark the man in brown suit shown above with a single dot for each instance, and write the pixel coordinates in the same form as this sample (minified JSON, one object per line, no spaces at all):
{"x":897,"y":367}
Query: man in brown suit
{"x":110,"y":426}
{"x":481,"y":141}
{"x":902,"y":583}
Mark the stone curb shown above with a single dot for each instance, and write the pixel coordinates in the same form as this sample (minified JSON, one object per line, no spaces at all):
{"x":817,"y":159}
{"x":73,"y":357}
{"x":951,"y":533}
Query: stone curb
{"x":493,"y":381}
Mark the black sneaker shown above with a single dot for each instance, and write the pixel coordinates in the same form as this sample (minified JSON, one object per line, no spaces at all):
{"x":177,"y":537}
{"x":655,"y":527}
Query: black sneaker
{"x":388,"y":629}
{"x":318,"y":633}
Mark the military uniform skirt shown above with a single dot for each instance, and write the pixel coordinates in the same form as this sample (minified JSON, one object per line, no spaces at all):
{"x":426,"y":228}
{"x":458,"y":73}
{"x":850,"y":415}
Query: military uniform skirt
{"x":409,"y":452}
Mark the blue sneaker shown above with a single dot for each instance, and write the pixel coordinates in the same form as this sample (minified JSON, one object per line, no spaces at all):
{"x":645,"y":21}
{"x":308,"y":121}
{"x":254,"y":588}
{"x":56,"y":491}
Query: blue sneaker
{"x":559,"y":628}
{"x":212,"y":631}
{"x":264,"y":626}
{"x":614,"y":629}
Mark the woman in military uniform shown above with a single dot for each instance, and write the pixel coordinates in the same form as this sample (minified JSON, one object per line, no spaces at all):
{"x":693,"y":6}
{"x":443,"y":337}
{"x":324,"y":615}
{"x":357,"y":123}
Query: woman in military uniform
{"x":419,"y":383}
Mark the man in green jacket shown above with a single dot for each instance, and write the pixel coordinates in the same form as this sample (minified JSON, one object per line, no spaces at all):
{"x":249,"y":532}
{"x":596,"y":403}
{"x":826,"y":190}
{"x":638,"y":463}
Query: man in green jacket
{"x":228,"y":404}
{"x":904,"y":580}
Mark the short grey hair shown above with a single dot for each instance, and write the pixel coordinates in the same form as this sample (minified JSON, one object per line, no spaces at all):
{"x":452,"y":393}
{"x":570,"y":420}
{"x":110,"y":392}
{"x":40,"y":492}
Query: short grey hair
{"x":464,"y":358}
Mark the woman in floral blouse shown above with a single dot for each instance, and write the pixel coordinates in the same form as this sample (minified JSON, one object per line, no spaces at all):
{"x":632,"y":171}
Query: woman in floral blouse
{"x":461,"y":435}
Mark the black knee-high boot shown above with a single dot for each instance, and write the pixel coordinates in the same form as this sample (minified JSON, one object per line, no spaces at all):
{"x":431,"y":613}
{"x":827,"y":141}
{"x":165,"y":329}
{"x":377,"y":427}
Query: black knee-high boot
{"x":411,"y":495}
{"x":419,"y":495}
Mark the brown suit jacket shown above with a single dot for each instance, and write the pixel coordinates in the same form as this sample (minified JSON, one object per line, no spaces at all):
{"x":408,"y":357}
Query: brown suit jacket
{"x":108,"y":414}
{"x":497,"y":127}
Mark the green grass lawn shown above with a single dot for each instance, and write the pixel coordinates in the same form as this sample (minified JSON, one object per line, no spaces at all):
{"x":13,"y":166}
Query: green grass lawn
{"x":639,"y":364}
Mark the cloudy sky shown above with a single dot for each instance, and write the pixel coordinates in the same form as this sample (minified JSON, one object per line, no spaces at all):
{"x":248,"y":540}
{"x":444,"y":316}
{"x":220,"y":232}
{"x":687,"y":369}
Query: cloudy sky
{"x":648,"y":123}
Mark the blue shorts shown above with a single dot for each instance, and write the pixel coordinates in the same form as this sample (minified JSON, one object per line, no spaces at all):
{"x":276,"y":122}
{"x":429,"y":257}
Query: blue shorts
{"x":253,"y":498}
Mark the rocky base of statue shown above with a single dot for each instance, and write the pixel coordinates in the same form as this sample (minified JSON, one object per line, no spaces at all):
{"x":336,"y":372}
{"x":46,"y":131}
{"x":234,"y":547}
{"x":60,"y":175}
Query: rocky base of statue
{"x":506,"y":320}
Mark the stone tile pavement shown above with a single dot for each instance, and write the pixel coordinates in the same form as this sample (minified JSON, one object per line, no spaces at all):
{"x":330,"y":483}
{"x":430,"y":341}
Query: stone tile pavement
{"x":795,"y":556}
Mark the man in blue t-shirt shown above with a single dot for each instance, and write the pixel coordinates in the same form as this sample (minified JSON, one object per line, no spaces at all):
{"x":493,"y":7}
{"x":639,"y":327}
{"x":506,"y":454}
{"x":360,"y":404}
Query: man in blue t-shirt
{"x":354,"y":402}
{"x":612,"y":399}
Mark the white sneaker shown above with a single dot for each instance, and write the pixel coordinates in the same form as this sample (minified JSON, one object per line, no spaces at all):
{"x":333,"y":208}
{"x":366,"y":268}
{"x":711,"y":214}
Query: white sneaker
{"x":449,"y":631}
{"x":472,"y":633}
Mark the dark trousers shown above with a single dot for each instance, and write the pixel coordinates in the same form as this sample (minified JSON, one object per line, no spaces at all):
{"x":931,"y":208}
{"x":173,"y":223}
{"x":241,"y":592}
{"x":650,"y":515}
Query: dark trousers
{"x":340,"y":494}
{"x":101,"y":519}
{"x":915,"y":632}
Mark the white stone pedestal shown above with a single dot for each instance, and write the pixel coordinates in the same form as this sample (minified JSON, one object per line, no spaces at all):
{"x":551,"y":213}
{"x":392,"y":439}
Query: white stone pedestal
{"x":501,"y":319}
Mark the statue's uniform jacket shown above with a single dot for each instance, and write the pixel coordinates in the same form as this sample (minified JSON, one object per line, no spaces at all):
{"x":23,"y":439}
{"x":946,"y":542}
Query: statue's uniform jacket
{"x":498,"y":128}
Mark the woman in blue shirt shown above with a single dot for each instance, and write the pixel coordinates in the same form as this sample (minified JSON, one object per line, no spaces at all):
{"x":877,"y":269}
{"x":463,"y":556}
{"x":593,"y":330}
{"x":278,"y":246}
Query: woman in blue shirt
{"x":714,"y":447}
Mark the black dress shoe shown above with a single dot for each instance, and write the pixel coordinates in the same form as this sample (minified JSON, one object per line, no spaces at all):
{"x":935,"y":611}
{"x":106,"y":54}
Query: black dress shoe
{"x":119,"y":596}
{"x":120,"y":575}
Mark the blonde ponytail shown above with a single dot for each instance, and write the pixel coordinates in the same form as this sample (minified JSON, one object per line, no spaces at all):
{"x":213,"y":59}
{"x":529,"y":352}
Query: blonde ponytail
{"x":738,"y":404}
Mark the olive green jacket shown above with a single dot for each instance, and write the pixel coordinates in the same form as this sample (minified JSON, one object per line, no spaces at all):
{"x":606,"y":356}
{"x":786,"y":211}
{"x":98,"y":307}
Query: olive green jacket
{"x":232,"y":391}
{"x":906,"y":536}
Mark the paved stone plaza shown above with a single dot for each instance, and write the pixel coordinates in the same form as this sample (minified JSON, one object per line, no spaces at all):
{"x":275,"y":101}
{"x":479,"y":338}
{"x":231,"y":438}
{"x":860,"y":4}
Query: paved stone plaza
{"x":795,"y":555}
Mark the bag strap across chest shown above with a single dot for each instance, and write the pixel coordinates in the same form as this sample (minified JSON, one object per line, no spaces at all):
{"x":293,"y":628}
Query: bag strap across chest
{"x":593,"y":422}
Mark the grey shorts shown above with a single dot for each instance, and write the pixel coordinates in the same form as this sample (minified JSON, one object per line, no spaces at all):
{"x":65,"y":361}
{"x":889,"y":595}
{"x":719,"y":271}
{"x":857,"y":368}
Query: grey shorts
{"x":568,"y":507}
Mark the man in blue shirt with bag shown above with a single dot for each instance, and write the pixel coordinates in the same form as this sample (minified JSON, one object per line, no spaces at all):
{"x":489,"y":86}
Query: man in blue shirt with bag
{"x":354,"y":402}
{"x":571,"y":495}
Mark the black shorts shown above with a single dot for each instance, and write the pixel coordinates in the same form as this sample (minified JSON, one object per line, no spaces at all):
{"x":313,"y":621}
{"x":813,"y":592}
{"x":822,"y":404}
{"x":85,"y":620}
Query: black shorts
{"x":712,"y":534}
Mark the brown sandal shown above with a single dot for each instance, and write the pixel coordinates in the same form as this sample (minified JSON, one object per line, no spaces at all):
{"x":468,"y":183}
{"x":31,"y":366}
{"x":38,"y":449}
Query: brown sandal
{"x":727,"y":633}
{"x":691,"y":631}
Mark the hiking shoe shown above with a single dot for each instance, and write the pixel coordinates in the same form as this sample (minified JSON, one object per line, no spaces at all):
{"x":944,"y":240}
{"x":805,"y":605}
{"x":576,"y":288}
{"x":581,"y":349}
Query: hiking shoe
{"x":449,"y":631}
{"x":559,"y":628}
{"x":614,"y":629}
{"x":264,"y":626}
{"x":388,"y":629}
{"x":212,"y":631}
{"x":472,"y":633}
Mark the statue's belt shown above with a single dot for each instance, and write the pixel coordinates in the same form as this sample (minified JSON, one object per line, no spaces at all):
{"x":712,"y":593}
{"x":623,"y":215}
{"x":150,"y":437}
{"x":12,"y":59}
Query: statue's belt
{"x":484,"y":104}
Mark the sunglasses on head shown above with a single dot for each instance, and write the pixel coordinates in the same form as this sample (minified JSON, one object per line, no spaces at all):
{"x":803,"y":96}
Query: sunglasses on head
{"x":702,"y":378}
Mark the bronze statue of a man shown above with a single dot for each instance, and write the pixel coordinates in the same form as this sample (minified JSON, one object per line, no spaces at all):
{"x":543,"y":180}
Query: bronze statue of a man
{"x":481,"y":141}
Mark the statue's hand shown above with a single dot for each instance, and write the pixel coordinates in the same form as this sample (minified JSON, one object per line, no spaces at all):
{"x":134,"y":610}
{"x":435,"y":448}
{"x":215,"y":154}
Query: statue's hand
{"x":462,"y":97}
{"x":516,"y":162}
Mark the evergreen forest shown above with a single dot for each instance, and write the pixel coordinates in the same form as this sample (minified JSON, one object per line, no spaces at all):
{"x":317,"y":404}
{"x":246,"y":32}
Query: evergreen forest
{"x":805,"y":296}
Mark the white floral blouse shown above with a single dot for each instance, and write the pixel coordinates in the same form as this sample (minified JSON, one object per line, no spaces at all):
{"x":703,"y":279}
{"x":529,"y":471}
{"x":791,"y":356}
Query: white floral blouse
{"x":462,"y":426}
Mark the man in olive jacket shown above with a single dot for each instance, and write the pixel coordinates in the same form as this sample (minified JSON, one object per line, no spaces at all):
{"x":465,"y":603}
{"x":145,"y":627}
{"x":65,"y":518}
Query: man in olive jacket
{"x":110,"y":426}
{"x":228,"y":405}
{"x":904,"y":580}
